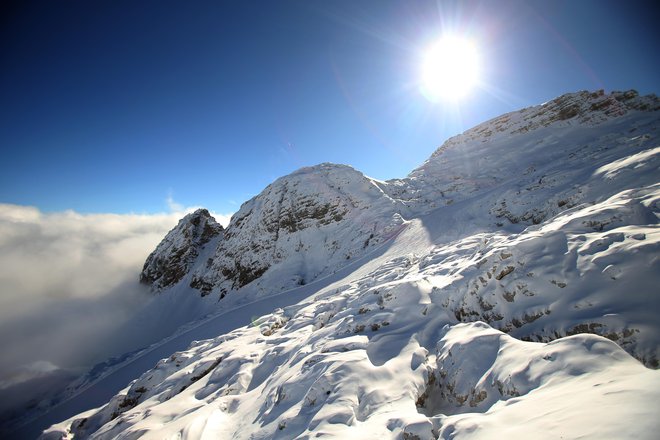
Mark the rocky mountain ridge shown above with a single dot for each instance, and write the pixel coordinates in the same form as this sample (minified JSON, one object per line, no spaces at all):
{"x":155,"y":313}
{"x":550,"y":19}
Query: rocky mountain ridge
{"x":334,"y":209}
{"x":173,"y":257}
{"x":352,"y":213}
{"x":312,"y":221}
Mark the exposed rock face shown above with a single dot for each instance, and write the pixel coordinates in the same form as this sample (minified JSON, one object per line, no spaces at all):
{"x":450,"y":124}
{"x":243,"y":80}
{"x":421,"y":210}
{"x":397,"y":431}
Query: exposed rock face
{"x":173,"y":257}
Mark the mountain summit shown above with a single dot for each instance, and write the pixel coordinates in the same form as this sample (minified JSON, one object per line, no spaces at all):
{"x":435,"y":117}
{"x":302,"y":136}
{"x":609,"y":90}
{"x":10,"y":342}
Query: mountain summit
{"x":310,"y":223}
{"x":175,"y":255}
{"x":506,"y":287}
{"x":304,"y":225}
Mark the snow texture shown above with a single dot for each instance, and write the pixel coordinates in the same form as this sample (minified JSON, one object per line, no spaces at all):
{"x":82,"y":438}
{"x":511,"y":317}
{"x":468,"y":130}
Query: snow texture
{"x":507,"y":287}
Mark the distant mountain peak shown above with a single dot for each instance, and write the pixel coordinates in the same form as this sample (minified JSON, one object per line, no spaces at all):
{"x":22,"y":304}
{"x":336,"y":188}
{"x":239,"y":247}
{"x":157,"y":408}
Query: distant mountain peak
{"x":171,"y":260}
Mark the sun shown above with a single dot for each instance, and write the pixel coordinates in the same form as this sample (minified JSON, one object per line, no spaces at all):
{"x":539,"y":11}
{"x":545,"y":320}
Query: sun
{"x":450,"y":69}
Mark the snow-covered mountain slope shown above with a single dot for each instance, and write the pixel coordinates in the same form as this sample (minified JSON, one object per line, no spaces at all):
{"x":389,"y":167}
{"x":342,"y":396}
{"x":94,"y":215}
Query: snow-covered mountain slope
{"x":475,"y":382}
{"x":383,"y":352}
{"x":538,"y":161}
{"x":514,"y":291}
{"x":306,"y":224}
{"x":534,"y":163}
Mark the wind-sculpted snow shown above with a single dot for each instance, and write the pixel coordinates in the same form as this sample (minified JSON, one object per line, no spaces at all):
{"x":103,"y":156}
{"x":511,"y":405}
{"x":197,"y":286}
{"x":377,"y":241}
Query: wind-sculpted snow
{"x":590,"y":270}
{"x":387,"y":354}
{"x":508,"y":288}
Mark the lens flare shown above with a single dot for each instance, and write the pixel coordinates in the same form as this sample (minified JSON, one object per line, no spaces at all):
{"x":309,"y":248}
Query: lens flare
{"x":450,"y":69}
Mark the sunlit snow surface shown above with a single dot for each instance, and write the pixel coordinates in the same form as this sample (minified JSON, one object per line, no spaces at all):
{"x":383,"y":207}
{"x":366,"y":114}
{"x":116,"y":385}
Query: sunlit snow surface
{"x":519,"y":299}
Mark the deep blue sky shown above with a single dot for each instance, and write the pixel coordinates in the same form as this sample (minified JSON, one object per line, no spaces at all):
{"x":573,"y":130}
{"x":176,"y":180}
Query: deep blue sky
{"x":111,"y":106}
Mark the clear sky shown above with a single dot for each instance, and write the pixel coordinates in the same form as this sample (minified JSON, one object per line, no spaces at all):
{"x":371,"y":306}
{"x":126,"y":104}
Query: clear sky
{"x":118,"y":106}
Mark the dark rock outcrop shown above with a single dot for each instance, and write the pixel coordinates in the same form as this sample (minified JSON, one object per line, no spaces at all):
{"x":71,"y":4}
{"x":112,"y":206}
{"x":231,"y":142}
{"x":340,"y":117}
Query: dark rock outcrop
{"x":173,"y":257}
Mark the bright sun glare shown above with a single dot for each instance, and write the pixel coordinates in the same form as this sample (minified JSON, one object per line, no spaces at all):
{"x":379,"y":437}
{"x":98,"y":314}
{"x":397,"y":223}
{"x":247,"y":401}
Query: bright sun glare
{"x":450,"y":69}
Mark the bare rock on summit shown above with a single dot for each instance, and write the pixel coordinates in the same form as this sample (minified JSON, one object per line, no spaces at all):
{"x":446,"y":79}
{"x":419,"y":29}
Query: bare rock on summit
{"x":173,"y":257}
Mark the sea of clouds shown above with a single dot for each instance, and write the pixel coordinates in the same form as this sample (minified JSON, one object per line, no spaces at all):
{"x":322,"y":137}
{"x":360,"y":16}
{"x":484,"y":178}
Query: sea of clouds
{"x":68,"y":282}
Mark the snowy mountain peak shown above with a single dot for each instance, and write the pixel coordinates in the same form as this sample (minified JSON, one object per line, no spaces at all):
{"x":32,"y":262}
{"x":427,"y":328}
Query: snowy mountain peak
{"x":171,"y":260}
{"x":326,"y":168}
{"x":308,"y":223}
{"x":531,"y":149}
{"x":584,"y":107}
{"x":312,"y":221}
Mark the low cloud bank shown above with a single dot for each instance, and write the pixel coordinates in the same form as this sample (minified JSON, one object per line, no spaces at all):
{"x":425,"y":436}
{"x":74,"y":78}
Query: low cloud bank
{"x":68,"y":281}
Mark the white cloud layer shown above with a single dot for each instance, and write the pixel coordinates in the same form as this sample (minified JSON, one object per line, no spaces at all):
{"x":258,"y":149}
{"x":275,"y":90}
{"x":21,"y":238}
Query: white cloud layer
{"x":68,"y":281}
